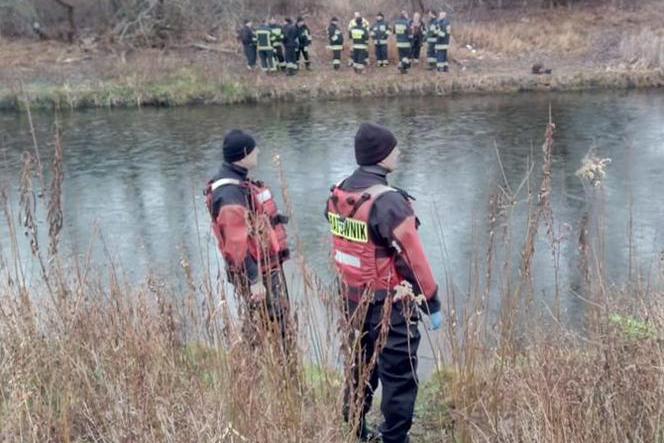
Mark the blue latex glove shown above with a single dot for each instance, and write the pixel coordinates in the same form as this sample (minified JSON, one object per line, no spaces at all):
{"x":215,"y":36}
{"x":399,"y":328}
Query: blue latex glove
{"x":436,"y":321}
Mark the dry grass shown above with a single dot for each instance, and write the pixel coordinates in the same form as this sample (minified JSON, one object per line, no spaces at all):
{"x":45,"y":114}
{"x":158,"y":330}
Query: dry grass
{"x":644,"y":50}
{"x":86,"y":356}
{"x":549,"y":34}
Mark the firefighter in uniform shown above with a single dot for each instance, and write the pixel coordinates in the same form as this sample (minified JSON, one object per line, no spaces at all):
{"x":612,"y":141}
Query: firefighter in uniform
{"x":278,"y":44}
{"x":442,"y":42}
{"x":383,"y":271}
{"x":251,"y":237}
{"x":291,"y":45}
{"x":304,"y":37}
{"x":402,"y":33}
{"x":264,"y":46}
{"x":380,"y":32}
{"x":248,"y":39}
{"x":417,"y":31}
{"x":336,"y":42}
{"x":351,"y":25}
{"x":432,"y":38}
{"x":360,"y":38}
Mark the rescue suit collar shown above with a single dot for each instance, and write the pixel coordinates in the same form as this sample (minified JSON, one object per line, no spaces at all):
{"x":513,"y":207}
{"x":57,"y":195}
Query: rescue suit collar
{"x":237,"y":170}
{"x":376,"y":170}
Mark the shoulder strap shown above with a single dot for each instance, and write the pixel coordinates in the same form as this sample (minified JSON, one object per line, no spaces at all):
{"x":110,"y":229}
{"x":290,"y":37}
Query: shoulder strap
{"x":376,"y":191}
{"x":224,"y":182}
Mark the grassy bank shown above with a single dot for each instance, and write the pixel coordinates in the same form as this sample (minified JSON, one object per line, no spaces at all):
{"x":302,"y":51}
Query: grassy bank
{"x":189,"y":87}
{"x":587,"y":47}
{"x":86,"y":355}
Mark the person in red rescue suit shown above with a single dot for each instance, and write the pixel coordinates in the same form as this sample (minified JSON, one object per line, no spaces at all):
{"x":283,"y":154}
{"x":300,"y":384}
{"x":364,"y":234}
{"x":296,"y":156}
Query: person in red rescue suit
{"x":251,"y":234}
{"x":377,"y":250}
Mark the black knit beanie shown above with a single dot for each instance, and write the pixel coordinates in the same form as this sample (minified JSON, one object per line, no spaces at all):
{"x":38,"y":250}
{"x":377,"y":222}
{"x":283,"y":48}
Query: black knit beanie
{"x":237,"y":145}
{"x":373,"y":143}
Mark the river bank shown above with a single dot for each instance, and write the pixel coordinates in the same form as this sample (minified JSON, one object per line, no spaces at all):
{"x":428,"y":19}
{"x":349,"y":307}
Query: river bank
{"x":189,"y":88}
{"x":490,"y":53}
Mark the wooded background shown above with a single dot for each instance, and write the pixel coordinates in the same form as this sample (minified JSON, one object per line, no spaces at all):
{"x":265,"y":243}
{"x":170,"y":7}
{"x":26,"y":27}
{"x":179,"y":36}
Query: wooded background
{"x":162,"y":22}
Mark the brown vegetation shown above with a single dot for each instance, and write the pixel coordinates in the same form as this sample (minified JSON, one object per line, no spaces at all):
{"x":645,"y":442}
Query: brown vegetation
{"x":88,"y":356}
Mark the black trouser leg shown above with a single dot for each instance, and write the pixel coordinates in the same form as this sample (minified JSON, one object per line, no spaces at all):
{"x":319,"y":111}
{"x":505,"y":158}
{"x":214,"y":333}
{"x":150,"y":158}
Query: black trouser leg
{"x":291,"y":59}
{"x":441,"y":60}
{"x":305,"y":55}
{"x":415,"y":51}
{"x":267,"y":60}
{"x":279,"y":55}
{"x":381,"y":55}
{"x":336,"y":59}
{"x":404,"y":57}
{"x":397,"y":369}
{"x":358,"y":59}
{"x":250,"y":54}
{"x":359,"y":390}
{"x":278,"y":308}
{"x":431,"y":55}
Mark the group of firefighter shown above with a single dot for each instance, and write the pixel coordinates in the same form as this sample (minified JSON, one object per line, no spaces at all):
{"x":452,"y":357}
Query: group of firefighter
{"x":283,"y":46}
{"x":384,"y":277}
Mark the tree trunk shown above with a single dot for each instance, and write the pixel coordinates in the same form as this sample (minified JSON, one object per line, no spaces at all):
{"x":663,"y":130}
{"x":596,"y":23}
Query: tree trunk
{"x":70,"y":18}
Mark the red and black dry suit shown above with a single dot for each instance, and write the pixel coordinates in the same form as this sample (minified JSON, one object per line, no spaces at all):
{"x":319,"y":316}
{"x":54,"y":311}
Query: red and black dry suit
{"x":374,"y":259}
{"x":251,"y":236}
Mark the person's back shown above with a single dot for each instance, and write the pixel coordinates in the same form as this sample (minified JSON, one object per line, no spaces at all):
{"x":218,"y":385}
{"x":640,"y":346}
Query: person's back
{"x":402,"y":32}
{"x":239,"y":209}
{"x":336,"y":42}
{"x":384,"y":274}
{"x":380,"y":33}
{"x":360,"y":38}
{"x":291,"y":46}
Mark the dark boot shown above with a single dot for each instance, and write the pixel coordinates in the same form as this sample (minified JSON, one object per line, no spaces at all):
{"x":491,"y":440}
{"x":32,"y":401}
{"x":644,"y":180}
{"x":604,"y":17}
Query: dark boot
{"x":445,"y":69}
{"x":367,"y":434}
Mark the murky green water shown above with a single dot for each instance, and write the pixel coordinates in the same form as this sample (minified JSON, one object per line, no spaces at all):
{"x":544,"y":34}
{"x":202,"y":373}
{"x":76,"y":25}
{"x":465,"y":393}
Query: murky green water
{"x":136,"y":176}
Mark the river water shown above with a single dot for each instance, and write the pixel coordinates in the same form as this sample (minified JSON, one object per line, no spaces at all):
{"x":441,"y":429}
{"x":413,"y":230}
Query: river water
{"x":135,"y":176}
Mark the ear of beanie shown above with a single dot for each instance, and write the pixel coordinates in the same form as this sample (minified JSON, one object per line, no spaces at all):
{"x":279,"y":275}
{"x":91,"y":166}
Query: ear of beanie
{"x":237,"y":145}
{"x":373,"y":143}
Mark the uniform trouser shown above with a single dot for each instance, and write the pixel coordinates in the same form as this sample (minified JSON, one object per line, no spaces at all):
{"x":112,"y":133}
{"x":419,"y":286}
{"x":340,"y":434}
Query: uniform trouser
{"x":359,"y":58}
{"x":441,"y":59}
{"x":267,"y":59}
{"x":279,"y":57}
{"x":404,"y":58}
{"x":291,"y":58}
{"x":336,"y":58}
{"x":271,"y":317}
{"x":303,"y":52}
{"x":396,"y":368}
{"x":381,"y":55}
{"x":416,"y":50}
{"x":431,"y":55}
{"x":250,"y":54}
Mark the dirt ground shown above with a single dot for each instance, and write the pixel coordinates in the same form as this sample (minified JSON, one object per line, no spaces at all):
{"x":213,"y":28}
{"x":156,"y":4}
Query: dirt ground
{"x":506,"y":43}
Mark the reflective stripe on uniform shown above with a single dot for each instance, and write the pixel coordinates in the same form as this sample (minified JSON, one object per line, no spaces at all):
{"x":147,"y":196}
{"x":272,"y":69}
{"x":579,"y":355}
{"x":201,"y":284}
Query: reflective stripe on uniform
{"x":347,"y":259}
{"x":382,"y":42}
{"x":432,"y":40}
{"x":223,"y":182}
{"x":442,"y":64}
{"x":336,"y":62}
{"x":359,"y":46}
{"x":403,"y":44}
{"x":264,"y":196}
{"x":336,"y":47}
{"x":442,"y":47}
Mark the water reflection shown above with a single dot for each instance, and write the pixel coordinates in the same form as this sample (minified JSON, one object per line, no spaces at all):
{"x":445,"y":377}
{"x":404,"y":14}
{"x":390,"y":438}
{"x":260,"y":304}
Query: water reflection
{"x":137,"y":175}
